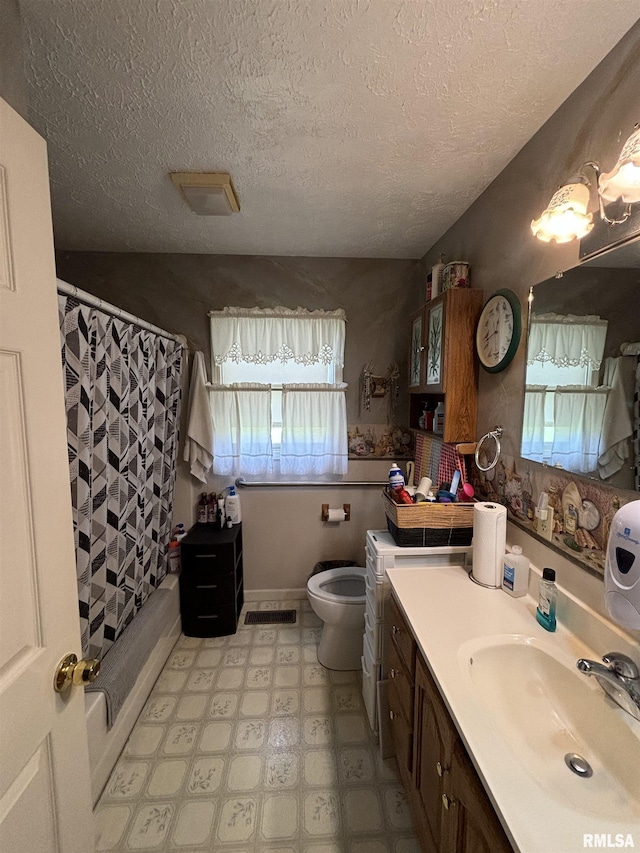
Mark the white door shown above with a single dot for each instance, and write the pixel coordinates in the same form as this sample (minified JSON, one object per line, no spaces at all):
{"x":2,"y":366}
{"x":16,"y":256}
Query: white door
{"x":45,"y":791}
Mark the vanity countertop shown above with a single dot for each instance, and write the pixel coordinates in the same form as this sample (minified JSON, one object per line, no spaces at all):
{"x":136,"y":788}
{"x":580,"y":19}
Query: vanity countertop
{"x":449,"y":614}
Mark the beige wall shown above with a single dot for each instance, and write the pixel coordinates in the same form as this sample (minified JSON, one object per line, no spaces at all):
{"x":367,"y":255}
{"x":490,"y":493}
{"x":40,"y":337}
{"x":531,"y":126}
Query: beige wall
{"x":494,"y":234}
{"x":283,"y":533}
{"x":13,"y":84}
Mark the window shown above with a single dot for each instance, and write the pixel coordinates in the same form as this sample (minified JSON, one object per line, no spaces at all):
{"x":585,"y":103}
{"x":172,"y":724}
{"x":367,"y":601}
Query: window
{"x":278,"y":400}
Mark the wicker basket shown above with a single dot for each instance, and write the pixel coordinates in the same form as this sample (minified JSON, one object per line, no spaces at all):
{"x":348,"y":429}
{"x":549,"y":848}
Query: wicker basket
{"x":429,"y":524}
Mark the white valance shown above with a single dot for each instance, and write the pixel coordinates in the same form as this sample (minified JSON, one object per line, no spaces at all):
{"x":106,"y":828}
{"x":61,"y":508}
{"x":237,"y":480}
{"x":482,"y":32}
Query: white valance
{"x":264,"y":335}
{"x":567,"y":340}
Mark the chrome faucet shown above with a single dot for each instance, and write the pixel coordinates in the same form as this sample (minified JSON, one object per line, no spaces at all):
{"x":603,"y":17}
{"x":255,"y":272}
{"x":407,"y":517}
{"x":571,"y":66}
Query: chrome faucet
{"x":620,"y":679}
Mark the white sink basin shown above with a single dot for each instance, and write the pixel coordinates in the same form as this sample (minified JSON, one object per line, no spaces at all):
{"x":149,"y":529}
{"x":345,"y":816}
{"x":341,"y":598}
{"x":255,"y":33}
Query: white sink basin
{"x":543,"y":708}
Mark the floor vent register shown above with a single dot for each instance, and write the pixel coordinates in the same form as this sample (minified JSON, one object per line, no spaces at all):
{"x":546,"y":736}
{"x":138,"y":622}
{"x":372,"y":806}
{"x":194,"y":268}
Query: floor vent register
{"x":270,"y":617}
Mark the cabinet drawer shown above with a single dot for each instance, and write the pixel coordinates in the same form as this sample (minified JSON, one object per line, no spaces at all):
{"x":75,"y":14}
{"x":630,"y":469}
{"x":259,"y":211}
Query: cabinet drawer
{"x":402,"y":684}
{"x":401,"y":731}
{"x":207,"y":584}
{"x":212,"y":622}
{"x":402,"y":637}
{"x":206,"y":559}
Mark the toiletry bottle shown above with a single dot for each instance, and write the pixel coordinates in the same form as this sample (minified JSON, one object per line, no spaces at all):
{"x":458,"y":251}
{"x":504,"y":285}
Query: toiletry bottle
{"x":436,"y":277}
{"x":232,"y":507}
{"x":438,"y":419}
{"x":396,"y":477}
{"x":212,"y":509}
{"x":547,"y":596}
{"x":515,"y":572}
{"x":221,"y":513}
{"x":173,"y":558}
{"x":202,"y":509}
{"x":571,"y":519}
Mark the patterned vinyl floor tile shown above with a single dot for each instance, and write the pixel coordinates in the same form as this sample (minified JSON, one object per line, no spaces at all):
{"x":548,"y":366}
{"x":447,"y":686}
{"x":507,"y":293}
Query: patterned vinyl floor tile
{"x":248,"y":745}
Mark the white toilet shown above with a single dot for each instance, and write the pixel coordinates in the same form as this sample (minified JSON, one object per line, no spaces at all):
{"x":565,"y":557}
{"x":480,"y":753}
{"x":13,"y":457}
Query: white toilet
{"x":337,"y":596}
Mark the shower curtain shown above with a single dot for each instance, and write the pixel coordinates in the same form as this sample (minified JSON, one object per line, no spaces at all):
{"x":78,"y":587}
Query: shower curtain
{"x":122,"y":391}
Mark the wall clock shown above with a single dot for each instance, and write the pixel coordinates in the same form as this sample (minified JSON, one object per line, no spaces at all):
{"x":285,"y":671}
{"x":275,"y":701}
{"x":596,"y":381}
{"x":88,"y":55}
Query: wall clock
{"x":498,"y":331}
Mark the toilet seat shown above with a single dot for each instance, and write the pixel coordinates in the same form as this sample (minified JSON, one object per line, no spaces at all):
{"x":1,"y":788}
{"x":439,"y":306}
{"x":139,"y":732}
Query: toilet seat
{"x":317,"y":585}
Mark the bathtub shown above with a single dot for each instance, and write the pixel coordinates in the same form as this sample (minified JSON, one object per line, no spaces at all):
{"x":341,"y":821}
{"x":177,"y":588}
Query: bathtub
{"x":105,"y":745}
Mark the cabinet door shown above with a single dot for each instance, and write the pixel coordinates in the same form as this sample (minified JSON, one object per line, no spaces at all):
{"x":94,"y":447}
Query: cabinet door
{"x":435,"y":366}
{"x":470,"y":824}
{"x":432,"y":749}
{"x":416,"y":352}
{"x":402,"y":638}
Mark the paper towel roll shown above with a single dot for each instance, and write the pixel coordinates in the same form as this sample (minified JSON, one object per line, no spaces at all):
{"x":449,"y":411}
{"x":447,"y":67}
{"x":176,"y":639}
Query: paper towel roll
{"x":336,"y":515}
{"x":489,"y":543}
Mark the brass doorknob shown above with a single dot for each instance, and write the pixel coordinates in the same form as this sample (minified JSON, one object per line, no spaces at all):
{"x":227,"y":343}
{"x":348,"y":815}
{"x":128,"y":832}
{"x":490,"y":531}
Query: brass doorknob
{"x":71,"y":671}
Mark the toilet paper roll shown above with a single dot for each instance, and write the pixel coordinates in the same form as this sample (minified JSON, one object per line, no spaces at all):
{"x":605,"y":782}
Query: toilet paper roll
{"x":489,"y":543}
{"x":336,"y":515}
{"x":424,"y":487}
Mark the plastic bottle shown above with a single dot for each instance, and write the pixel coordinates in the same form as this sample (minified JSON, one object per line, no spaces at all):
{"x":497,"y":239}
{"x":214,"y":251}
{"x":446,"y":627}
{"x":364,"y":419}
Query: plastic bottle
{"x":547,"y":597}
{"x":232,"y":507}
{"x":179,"y":533}
{"x":221,"y":513}
{"x":436,"y":277}
{"x":212,"y":509}
{"x":438,"y":419}
{"x":396,"y":477}
{"x":173,"y":558}
{"x":515,"y":572}
{"x":202,"y":509}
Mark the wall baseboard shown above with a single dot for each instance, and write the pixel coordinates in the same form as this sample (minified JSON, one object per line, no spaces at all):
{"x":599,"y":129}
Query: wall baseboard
{"x":274,"y":594}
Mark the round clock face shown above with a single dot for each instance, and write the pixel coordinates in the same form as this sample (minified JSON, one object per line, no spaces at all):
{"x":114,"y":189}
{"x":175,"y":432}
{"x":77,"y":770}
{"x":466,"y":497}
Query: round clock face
{"x":498,"y":331}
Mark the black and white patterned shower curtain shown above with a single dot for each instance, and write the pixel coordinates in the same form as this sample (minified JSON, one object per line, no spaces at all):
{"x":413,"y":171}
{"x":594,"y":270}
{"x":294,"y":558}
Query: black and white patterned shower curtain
{"x":122,"y":389}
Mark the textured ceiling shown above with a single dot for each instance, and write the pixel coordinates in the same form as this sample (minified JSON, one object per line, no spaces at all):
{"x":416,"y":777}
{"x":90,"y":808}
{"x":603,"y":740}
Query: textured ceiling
{"x":352,"y":128}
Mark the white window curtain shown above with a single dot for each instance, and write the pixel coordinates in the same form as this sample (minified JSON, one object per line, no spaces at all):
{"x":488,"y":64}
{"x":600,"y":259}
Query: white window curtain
{"x":263,"y":335}
{"x":533,"y":422}
{"x":241,"y":415}
{"x":578,"y":416}
{"x":567,"y":339}
{"x":314,"y":430}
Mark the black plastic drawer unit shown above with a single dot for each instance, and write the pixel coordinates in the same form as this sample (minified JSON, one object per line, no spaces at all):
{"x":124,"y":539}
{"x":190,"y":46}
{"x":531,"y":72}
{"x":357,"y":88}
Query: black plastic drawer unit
{"x":211,"y":590}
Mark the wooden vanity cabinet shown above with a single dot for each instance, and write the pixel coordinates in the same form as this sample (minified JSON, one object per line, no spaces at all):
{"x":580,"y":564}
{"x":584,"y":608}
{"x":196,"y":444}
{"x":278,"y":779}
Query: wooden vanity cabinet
{"x":452,"y":812}
{"x":442,"y":361}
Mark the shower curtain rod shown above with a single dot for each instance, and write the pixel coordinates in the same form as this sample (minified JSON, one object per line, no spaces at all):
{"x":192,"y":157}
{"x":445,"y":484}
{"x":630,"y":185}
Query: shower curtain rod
{"x":95,"y":302}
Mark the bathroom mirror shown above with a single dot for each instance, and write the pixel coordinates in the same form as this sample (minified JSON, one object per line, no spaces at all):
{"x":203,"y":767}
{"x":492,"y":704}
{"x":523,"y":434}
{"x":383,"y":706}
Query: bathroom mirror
{"x":583,"y":370}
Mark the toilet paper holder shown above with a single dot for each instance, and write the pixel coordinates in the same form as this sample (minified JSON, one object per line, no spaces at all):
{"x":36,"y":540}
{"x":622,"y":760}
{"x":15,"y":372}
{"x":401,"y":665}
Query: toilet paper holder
{"x":346,"y":508}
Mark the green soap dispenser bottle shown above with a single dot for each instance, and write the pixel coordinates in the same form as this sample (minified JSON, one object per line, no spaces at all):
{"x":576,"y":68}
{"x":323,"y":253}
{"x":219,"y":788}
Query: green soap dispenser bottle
{"x":547,"y":597}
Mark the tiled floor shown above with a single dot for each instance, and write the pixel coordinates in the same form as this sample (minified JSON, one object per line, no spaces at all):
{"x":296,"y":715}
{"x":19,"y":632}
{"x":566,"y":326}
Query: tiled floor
{"x":247,"y":745}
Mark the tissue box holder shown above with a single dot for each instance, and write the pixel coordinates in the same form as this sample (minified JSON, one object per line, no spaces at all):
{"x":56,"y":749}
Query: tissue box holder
{"x":427,"y":525}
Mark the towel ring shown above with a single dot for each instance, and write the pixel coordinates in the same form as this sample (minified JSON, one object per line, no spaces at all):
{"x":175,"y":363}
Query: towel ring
{"x":495,"y":435}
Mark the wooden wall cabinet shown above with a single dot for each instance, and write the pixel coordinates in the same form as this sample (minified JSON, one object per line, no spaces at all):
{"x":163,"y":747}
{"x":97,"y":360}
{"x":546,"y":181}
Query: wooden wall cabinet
{"x":451,"y":809}
{"x":442,"y":361}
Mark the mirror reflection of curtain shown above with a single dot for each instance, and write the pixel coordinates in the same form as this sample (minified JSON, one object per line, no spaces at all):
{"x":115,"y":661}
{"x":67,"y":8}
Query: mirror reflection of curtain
{"x":578,"y":416}
{"x":533,"y":422}
{"x":563,"y":417}
{"x":567,"y":340}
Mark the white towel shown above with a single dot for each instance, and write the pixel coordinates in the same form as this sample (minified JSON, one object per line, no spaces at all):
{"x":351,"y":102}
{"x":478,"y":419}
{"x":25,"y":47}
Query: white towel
{"x":198,"y":448}
{"x":616,"y":424}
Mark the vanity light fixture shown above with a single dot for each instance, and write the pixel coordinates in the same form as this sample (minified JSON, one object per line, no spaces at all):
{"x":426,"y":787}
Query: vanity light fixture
{"x":207,"y":193}
{"x":566,"y":216}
